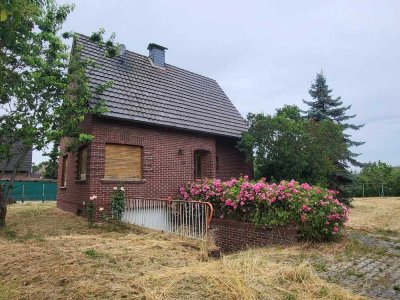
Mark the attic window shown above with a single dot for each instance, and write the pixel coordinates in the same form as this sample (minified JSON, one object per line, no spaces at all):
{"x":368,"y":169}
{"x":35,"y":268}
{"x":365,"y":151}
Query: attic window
{"x":123,"y":162}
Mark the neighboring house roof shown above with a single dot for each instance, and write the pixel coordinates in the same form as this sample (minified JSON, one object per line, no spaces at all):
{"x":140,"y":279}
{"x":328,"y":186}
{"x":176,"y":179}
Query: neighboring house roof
{"x":25,"y":166}
{"x":170,"y":97}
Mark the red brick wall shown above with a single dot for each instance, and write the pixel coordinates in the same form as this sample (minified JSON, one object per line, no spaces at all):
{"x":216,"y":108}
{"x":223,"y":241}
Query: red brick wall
{"x":232,"y":235}
{"x":72,"y":196}
{"x":231,"y":162}
{"x":168,"y":157}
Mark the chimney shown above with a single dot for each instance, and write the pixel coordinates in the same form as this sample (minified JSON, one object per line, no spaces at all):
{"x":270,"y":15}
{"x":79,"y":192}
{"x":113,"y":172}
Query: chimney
{"x":157,"y":54}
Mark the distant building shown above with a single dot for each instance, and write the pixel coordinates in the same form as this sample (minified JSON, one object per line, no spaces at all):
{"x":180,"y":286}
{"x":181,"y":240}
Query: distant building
{"x":24,"y":170}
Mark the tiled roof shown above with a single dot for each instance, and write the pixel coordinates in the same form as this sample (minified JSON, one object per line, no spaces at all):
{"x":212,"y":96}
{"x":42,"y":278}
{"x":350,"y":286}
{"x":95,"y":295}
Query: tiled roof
{"x":170,"y":97}
{"x":26,"y":164}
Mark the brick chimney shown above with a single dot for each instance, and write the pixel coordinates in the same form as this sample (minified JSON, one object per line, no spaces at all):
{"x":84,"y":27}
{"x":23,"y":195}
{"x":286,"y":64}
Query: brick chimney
{"x":157,"y":54}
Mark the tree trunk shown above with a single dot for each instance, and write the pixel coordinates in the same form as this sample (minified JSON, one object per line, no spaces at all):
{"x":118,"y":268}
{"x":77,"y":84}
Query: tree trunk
{"x":3,"y":208}
{"x":10,"y":187}
{"x":4,"y":197}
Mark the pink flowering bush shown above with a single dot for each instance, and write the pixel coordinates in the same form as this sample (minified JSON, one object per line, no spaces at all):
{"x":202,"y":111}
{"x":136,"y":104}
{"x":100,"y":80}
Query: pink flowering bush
{"x":315,"y":211}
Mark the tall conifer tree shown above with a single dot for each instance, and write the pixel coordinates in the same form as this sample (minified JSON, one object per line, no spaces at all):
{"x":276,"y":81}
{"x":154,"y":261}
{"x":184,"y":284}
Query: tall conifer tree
{"x":325,"y":107}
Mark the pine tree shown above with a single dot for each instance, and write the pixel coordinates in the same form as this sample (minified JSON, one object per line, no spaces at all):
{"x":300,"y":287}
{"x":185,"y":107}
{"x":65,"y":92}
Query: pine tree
{"x":325,"y":107}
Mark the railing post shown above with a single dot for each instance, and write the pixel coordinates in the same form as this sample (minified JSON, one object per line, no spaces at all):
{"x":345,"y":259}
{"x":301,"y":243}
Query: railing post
{"x":188,"y":218}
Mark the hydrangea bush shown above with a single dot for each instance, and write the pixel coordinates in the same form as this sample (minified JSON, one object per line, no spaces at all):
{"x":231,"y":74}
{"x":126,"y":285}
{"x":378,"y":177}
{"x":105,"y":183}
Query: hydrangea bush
{"x":315,"y":211}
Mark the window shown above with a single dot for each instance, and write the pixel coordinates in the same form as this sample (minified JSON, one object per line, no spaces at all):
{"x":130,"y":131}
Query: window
{"x":217,"y":163}
{"x":64,"y":171}
{"x":82,"y":163}
{"x":197,"y":166}
{"x":123,"y":162}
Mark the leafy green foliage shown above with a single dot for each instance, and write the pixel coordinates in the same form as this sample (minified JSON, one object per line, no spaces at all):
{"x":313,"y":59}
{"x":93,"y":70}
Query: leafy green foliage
{"x":44,"y":89}
{"x":48,"y":169}
{"x":376,"y":179}
{"x":118,"y":202}
{"x":324,"y":107}
{"x":315,"y":211}
{"x":286,"y":146}
{"x":92,"y":253}
{"x":90,"y":210}
{"x":52,"y":165}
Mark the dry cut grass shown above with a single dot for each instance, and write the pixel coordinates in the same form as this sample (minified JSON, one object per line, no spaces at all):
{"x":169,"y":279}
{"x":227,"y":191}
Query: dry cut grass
{"x":49,"y":254}
{"x":376,"y":215}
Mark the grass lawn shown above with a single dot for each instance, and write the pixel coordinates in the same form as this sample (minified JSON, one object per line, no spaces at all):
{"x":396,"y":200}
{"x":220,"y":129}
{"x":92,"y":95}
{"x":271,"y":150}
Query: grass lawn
{"x":50,"y":254}
{"x":376,"y":215}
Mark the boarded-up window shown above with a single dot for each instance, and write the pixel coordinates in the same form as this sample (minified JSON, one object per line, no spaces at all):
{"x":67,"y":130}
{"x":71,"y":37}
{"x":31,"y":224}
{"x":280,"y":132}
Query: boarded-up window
{"x":123,"y":162}
{"x":82,"y":163}
{"x":64,"y":171}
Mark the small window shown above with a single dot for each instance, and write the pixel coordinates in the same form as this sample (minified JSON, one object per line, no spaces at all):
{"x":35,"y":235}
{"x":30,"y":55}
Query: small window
{"x":123,"y":162}
{"x":197,"y":166}
{"x":217,"y":163}
{"x":64,"y":171}
{"x":82,"y":163}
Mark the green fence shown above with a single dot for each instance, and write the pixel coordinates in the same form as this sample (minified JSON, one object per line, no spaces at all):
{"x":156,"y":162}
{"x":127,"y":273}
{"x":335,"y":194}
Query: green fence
{"x":33,"y":190}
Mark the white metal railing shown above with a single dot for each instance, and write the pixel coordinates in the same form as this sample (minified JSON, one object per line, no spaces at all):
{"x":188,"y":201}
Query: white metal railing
{"x":187,"y":218}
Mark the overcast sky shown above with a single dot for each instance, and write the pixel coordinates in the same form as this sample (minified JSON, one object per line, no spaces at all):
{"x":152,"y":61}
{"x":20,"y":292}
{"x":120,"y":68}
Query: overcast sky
{"x":265,"y":54}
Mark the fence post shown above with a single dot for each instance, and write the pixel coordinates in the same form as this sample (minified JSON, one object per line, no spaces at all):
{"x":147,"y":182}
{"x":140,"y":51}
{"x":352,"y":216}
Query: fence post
{"x":23,"y":193}
{"x":43,"y":194}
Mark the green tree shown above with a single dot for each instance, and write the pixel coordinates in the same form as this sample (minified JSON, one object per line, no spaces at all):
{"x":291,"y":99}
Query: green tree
{"x":48,"y":169}
{"x":286,"y":146}
{"x":377,"y":179}
{"x":52,"y":165}
{"x":325,"y":107}
{"x":44,"y":90}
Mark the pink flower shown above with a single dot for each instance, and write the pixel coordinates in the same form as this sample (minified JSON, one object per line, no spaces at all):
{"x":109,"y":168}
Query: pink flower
{"x":305,"y":208}
{"x":303,"y":218}
{"x":306,"y":186}
{"x":228,"y":202}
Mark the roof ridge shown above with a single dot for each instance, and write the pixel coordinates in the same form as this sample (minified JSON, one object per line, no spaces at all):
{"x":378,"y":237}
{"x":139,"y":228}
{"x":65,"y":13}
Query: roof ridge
{"x":173,"y":66}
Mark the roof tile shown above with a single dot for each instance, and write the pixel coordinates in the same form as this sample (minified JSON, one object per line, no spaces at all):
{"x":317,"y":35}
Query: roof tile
{"x":169,"y":97}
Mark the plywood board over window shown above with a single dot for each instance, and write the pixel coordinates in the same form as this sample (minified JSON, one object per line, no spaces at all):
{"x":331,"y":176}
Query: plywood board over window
{"x":64,"y":171}
{"x":82,"y":163}
{"x":123,"y":162}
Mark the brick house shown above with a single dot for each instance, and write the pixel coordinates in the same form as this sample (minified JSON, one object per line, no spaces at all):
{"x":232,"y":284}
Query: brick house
{"x":164,"y":126}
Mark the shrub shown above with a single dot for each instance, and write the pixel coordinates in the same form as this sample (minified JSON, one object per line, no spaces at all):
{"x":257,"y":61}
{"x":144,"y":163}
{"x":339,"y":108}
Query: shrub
{"x":316,"y":212}
{"x":90,"y":209}
{"x":118,"y":202}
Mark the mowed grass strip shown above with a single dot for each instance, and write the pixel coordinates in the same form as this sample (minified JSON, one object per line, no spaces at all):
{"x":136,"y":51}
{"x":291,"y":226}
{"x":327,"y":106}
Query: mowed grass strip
{"x":376,"y":215}
{"x":50,"y":254}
